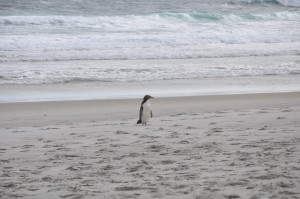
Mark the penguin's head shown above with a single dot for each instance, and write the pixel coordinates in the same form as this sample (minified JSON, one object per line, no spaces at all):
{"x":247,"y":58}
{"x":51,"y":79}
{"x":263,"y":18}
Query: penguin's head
{"x":147,"y":97}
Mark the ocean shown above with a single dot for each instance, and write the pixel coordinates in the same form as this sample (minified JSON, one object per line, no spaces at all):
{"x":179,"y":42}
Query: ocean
{"x":57,"y":42}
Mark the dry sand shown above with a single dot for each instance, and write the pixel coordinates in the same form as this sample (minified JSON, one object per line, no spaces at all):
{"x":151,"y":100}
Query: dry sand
{"x":230,"y":146}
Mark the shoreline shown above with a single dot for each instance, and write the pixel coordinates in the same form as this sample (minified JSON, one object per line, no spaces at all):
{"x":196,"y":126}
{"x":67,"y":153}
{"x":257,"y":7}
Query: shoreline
{"x":160,"y":88}
{"x":116,"y":109}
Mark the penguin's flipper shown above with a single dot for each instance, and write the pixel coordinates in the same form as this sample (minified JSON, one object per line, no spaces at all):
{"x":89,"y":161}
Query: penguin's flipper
{"x":140,"y":116}
{"x":151,"y":114}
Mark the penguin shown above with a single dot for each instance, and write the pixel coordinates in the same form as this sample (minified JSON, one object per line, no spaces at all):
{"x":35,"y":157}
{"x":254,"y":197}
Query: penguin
{"x":145,"y":111}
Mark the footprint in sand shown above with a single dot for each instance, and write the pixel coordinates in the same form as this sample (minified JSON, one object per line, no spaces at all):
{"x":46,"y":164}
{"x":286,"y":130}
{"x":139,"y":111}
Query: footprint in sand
{"x":74,"y":196}
{"x":286,"y":184}
{"x":124,"y":123}
{"x":47,"y":141}
{"x":47,"y":179}
{"x":132,"y":188}
{"x":135,"y":155}
{"x":288,"y":193}
{"x":27,"y":146}
{"x":262,"y":112}
{"x":156,"y":148}
{"x":263,"y":128}
{"x":233,"y":196}
{"x":49,"y":128}
{"x":134,"y":168}
{"x":32,"y":188}
{"x":191,"y":127}
{"x":108,"y":167}
{"x":121,"y":132}
{"x":221,"y":112}
{"x":173,"y":135}
{"x":286,"y":110}
{"x":8,"y":185}
{"x":16,"y":131}
{"x":179,"y":114}
{"x":4,"y":161}
{"x":165,"y":162}
{"x":214,"y":130}
{"x":281,"y":118}
{"x":184,"y":142}
{"x":2,"y":150}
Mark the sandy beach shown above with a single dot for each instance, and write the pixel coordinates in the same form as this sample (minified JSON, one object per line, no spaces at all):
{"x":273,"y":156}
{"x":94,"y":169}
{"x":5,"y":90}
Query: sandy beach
{"x":222,"y":146}
{"x":224,"y":74}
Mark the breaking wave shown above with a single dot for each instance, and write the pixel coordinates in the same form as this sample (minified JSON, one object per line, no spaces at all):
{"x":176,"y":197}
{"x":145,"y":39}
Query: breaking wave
{"x":287,"y":3}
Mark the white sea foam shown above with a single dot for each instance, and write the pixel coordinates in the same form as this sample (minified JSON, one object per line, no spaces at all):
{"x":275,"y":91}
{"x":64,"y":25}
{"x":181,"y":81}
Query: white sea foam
{"x":171,"y":35}
{"x":189,"y":30}
{"x":144,"y":70}
{"x":135,"y":22}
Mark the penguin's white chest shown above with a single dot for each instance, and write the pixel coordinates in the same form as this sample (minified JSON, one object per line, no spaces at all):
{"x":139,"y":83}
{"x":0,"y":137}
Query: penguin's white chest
{"x":146,"y":114}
